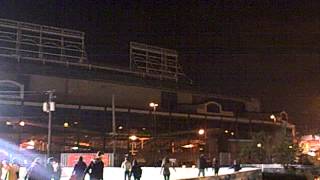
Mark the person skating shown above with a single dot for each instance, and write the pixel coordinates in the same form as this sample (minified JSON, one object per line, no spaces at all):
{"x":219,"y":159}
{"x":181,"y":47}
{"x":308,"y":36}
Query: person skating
{"x":79,"y":168}
{"x":56,"y":170}
{"x":136,"y":170}
{"x":9,"y":171}
{"x":202,"y":165}
{"x":126,"y":165}
{"x":95,"y":168}
{"x":236,"y":166}
{"x":36,"y":171}
{"x":165,"y":168}
{"x":49,"y":168}
{"x":16,"y":166}
{"x":215,"y":166}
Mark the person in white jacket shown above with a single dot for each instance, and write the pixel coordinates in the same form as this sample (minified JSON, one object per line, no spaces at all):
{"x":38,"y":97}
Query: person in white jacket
{"x":126,"y":165}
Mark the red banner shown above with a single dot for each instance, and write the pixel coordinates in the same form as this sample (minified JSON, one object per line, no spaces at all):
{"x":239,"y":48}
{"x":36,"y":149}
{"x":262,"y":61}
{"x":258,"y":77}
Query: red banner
{"x":70,"y":159}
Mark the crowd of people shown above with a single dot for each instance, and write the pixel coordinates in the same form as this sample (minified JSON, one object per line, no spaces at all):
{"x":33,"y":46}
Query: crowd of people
{"x":51,"y":169}
{"x":203,"y":165}
{"x":9,"y":170}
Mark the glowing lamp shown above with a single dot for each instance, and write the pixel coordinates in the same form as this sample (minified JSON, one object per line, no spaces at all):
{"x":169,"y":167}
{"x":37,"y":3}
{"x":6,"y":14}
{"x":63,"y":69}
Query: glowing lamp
{"x":65,"y":125}
{"x":153,"y":105}
{"x":75,"y":148}
{"x":201,"y":132}
{"x":188,"y":146}
{"x":133,"y":137}
{"x":259,"y":145}
{"x":22,"y":123}
{"x":273,"y":117}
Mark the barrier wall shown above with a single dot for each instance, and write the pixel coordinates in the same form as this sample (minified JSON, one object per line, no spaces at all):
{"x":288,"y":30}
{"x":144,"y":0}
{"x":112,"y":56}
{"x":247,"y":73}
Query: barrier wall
{"x":247,"y":175}
{"x":150,"y":173}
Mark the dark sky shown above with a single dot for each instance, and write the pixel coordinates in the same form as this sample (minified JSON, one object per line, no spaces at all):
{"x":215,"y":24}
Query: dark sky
{"x":265,"y":49}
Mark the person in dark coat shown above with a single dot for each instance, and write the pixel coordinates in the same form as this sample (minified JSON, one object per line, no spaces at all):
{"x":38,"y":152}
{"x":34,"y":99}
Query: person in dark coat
{"x":165,"y":168}
{"x":56,"y":170}
{"x":215,"y":166}
{"x":95,"y":168}
{"x":36,"y":171}
{"x":49,"y":168}
{"x":136,"y":170}
{"x":202,"y":165}
{"x":79,"y":169}
{"x":236,"y":166}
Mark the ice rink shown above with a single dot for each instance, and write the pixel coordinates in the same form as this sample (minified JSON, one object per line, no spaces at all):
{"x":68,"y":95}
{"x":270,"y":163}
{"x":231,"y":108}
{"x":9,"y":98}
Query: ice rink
{"x":150,"y":173}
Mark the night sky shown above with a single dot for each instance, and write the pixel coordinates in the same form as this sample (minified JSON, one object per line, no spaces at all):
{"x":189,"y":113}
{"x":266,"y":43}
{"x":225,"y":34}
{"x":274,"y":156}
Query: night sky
{"x":264,"y":49}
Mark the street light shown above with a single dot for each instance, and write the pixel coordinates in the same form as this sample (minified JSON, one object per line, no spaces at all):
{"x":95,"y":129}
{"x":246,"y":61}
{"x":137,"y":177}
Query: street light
{"x":8,"y":123}
{"x":133,"y":144}
{"x":201,"y":132}
{"x":65,"y":125}
{"x":154,"y":106}
{"x":133,"y":137}
{"x":259,"y":145}
{"x":273,"y":117}
{"x":22,"y":123}
{"x":49,"y":107}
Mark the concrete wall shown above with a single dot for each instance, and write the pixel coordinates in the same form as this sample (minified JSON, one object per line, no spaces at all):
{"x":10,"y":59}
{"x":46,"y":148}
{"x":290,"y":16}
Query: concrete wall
{"x":95,"y":92}
{"x":77,"y":91}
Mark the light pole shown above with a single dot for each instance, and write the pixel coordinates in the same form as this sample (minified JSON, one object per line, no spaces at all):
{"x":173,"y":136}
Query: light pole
{"x":154,"y":106}
{"x":21,"y":124}
{"x":261,"y":158}
{"x":49,"y":107}
{"x":202,"y":140}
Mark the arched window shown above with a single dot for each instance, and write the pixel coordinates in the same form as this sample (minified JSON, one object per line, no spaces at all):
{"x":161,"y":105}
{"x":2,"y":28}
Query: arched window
{"x":11,"y":89}
{"x":213,"y":108}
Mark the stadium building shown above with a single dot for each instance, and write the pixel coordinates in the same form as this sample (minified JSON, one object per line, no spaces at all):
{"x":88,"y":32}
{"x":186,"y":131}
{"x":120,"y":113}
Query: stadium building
{"x":149,"y":109}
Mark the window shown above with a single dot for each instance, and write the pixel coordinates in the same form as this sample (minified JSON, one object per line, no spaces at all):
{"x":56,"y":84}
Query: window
{"x":168,"y":101}
{"x":213,"y":108}
{"x":11,"y":89}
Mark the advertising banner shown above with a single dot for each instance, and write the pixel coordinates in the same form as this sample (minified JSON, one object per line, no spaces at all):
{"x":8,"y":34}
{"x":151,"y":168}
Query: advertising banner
{"x":70,"y":159}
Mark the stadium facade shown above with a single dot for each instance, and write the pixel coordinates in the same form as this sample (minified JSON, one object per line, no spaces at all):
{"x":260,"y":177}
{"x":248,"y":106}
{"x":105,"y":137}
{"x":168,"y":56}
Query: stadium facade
{"x":98,"y":107}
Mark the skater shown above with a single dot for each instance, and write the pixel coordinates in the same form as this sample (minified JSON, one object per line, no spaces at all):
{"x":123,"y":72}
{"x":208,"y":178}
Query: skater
{"x":136,"y":170}
{"x":202,"y":165}
{"x":95,"y":168}
{"x":165,"y":168}
{"x":79,"y":168}
{"x":126,"y":165}
{"x":215,"y":166}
